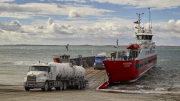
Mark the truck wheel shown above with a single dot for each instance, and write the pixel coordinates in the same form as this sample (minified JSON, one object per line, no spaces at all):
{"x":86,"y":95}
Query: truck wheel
{"x":79,"y":85}
{"x":27,"y":89}
{"x":50,"y":89}
{"x":46,"y":87}
{"x":64,"y":86}
{"x":84,"y":84}
{"x":57,"y":88}
{"x":61,"y":86}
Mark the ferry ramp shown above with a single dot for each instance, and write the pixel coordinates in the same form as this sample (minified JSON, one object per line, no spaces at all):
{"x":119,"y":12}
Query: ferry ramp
{"x":95,"y":77}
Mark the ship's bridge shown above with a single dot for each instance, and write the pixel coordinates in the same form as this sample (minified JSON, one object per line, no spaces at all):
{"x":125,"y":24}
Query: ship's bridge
{"x":144,"y":36}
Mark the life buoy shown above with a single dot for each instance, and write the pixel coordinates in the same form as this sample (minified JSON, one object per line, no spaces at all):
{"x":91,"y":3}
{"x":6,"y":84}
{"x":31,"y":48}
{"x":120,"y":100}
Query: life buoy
{"x":132,"y":46}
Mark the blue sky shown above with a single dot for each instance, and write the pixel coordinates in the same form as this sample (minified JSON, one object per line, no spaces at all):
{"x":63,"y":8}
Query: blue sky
{"x":79,"y":22}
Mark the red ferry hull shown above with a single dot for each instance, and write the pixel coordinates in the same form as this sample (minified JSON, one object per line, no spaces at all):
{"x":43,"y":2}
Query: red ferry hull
{"x":128,"y":71}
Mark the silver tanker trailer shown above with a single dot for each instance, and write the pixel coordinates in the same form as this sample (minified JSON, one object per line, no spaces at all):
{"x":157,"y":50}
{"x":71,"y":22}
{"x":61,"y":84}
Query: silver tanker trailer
{"x":53,"y":74}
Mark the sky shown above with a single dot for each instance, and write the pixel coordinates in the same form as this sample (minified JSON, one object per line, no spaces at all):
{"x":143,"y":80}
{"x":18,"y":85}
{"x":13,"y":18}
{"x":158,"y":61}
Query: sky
{"x":81,"y":22}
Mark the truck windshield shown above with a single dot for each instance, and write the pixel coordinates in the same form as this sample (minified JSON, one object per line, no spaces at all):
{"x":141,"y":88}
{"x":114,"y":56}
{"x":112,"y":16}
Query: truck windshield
{"x":100,"y":58}
{"x":40,"y":68}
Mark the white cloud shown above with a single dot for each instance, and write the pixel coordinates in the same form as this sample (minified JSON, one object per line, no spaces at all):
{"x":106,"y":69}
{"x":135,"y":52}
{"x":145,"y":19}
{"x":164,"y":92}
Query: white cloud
{"x":79,"y":1}
{"x":50,"y":21}
{"x":74,"y":14}
{"x":60,"y":6}
{"x":15,"y":23}
{"x":57,"y":32}
{"x":6,"y":0}
{"x":12,"y":26}
{"x":43,"y":9}
{"x":4,"y":7}
{"x":155,"y":4}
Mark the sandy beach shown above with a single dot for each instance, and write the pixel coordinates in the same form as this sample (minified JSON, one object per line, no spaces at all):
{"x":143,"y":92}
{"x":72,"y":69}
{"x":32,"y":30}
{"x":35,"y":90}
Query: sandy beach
{"x":17,"y":93}
{"x":94,"y":77}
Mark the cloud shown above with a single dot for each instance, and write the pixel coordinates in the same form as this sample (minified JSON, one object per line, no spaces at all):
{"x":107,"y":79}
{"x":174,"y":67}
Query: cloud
{"x":53,"y":32}
{"x":12,"y":26}
{"x":39,"y":27}
{"x":50,"y":21}
{"x":6,"y":0}
{"x":60,"y":6}
{"x":30,"y":10}
{"x":74,"y":14}
{"x":15,"y":23}
{"x":16,"y":8}
{"x":168,"y":4}
{"x":79,"y":1}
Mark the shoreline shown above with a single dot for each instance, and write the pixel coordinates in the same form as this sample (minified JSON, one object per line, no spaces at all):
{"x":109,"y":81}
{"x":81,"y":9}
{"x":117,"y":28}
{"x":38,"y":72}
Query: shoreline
{"x":11,"y":93}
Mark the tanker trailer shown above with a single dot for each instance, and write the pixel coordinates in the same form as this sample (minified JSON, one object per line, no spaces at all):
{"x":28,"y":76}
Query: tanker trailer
{"x":57,"y":75}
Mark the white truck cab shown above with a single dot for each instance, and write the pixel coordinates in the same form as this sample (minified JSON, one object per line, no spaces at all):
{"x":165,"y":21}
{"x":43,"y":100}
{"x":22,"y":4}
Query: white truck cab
{"x":37,"y":75}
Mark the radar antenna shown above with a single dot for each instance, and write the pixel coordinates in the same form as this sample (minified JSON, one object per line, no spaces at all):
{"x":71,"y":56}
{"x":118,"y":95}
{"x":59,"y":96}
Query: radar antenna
{"x":149,"y":20}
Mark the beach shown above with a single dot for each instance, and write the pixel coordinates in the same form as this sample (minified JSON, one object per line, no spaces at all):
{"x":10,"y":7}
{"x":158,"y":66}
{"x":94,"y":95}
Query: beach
{"x":17,"y":93}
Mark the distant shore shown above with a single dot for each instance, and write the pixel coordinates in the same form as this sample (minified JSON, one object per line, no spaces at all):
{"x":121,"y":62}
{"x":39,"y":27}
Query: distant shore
{"x":81,"y":45}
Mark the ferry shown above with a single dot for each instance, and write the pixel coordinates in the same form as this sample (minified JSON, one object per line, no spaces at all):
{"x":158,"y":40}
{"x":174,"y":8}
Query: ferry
{"x":128,"y":66}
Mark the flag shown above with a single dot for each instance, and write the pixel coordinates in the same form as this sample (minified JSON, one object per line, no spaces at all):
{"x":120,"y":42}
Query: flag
{"x":136,"y":22}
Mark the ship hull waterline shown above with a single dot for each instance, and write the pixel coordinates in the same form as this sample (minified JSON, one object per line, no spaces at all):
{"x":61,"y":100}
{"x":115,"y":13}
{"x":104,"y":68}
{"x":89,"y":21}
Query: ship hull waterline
{"x":127,"y":71}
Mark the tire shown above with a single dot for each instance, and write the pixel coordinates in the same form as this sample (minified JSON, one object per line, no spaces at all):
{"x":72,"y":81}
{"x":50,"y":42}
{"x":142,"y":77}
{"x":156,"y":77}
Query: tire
{"x":57,"y":88}
{"x":79,"y":85}
{"x":64,"y":86}
{"x":27,"y":89}
{"x":46,"y":86}
{"x":84,"y":86}
{"x":61,"y":86}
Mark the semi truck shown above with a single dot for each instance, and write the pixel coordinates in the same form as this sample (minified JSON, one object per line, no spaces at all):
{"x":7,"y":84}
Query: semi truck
{"x":98,"y":64}
{"x":53,"y":74}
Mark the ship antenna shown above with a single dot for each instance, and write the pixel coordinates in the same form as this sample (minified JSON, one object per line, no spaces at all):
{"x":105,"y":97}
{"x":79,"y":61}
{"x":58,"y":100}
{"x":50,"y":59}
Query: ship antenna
{"x":149,"y":20}
{"x":139,"y":19}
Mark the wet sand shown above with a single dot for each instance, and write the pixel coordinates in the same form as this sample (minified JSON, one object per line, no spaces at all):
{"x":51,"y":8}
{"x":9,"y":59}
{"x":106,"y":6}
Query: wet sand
{"x":17,"y":93}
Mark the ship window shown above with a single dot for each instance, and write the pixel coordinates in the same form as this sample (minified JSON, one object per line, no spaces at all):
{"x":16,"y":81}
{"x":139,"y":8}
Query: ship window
{"x":147,"y":37}
{"x":139,"y":37}
{"x":144,"y":37}
{"x":150,"y":37}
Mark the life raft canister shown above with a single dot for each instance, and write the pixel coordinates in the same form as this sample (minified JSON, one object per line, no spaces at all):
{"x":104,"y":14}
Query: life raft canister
{"x":132,"y":46}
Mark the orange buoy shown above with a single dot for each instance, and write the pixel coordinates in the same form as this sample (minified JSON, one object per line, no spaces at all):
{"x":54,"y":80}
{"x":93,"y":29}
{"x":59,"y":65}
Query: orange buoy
{"x":133,"y":46}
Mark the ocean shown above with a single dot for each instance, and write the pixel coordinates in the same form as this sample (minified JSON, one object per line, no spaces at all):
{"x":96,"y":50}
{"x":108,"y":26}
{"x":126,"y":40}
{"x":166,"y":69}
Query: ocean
{"x":165,"y":77}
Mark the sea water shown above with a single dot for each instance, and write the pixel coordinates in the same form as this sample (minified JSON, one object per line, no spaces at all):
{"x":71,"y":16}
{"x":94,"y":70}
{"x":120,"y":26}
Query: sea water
{"x":164,"y":77}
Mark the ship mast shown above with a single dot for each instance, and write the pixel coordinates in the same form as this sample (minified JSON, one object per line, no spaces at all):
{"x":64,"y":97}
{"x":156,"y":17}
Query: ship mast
{"x":116,"y":50}
{"x":149,"y":21}
{"x":139,"y":21}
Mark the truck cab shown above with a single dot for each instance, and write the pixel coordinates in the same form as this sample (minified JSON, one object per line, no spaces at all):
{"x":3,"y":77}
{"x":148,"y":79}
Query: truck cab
{"x":98,"y":64}
{"x":38,"y":75}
